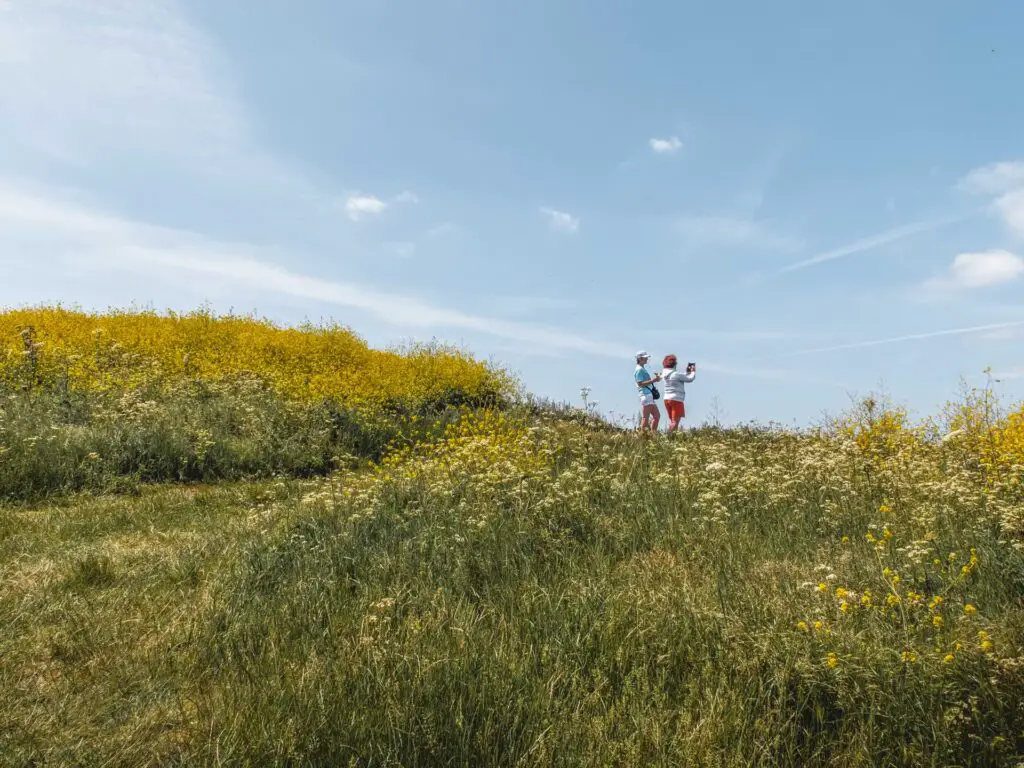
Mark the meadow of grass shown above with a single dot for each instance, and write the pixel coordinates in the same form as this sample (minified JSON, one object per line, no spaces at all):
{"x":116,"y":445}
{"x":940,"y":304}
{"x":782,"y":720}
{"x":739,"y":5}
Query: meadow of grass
{"x":516,"y":587}
{"x":106,"y":402}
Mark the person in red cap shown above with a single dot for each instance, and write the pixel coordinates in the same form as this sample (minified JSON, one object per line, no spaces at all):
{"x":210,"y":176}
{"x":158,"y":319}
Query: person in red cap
{"x":675,"y":389}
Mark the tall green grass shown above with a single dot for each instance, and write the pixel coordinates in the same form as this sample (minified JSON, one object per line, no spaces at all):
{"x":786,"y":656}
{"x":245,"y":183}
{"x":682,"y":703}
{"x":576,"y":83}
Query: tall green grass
{"x":56,"y":441}
{"x":630,"y":602}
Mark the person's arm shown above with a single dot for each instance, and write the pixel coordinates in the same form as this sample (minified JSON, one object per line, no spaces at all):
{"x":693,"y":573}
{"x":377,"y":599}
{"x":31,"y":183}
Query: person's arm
{"x":647,"y":382}
{"x":689,"y":376}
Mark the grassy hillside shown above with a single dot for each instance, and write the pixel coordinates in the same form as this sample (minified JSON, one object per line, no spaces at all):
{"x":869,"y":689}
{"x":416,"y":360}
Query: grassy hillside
{"x":521,"y":588}
{"x":106,"y":402}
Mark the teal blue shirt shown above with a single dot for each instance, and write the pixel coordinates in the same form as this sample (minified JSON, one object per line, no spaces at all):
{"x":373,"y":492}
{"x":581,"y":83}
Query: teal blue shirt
{"x":641,"y":374}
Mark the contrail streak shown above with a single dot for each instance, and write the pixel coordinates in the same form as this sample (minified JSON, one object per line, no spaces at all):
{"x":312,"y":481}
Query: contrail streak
{"x":898,"y":339}
{"x":874,"y":241}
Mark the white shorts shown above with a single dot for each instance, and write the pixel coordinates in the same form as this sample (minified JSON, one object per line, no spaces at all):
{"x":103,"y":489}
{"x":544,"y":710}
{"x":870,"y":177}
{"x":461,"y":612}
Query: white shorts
{"x":647,"y":399}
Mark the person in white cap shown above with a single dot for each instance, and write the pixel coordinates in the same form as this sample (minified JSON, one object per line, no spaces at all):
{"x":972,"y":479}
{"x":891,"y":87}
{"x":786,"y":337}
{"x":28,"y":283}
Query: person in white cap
{"x":650,"y":415}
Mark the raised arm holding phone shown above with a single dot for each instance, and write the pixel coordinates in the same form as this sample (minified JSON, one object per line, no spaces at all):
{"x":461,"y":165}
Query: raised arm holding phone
{"x":675,"y":389}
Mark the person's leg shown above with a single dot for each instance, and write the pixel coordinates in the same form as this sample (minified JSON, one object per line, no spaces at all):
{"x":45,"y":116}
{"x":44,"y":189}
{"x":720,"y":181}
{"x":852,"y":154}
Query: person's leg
{"x":672,"y":409}
{"x":651,"y":412}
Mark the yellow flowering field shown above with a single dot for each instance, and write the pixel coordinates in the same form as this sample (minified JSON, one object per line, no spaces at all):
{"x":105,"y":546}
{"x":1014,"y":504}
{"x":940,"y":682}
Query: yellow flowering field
{"x":128,"y":350}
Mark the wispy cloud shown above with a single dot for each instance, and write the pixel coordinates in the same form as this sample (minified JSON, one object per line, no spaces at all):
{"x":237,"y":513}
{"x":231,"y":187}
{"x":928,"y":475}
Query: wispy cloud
{"x":1005,"y":183}
{"x":96,"y":84}
{"x":908,"y":337}
{"x":979,"y":270}
{"x":407,"y":197}
{"x":875,"y":241}
{"x":361,"y":206}
{"x":94,"y":240}
{"x":73,"y":235}
{"x":441,"y":230}
{"x":994,"y":179}
{"x":667,"y":146}
{"x":1011,"y":208}
{"x":729,"y":232}
{"x":561,"y":221}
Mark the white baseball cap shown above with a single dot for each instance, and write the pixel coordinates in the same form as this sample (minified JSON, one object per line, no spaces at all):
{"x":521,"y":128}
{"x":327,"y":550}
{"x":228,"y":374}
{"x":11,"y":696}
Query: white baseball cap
{"x":640,"y":354}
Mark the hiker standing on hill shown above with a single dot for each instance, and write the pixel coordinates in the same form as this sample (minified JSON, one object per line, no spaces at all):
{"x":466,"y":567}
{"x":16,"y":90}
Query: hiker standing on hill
{"x":650,"y":416}
{"x":675,"y":389}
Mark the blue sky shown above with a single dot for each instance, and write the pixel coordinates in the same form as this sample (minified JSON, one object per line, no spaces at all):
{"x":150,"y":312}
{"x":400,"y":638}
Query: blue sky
{"x":810,"y":202}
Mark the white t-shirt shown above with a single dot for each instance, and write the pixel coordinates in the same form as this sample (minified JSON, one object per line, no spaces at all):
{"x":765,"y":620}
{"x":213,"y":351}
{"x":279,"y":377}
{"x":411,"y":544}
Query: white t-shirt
{"x":675,"y":382}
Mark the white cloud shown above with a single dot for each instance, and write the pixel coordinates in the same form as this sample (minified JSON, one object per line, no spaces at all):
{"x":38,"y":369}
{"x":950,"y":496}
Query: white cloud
{"x":874,"y":241}
{"x":666,"y":146}
{"x":726,"y":231}
{"x":1005,"y":182}
{"x":980,"y":269}
{"x":973,"y":270}
{"x":1011,"y":207}
{"x":994,"y":179}
{"x":560,"y":220}
{"x":407,"y":197}
{"x":359,"y":206}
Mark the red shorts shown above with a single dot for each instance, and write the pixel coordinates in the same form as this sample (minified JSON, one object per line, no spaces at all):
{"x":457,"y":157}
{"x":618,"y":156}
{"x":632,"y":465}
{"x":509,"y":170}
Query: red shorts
{"x":676,"y":409}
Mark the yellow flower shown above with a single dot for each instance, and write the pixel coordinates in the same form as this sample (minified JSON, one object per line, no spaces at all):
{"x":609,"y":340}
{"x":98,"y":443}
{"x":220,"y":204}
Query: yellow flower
{"x":986,"y":646}
{"x":885,"y":509}
{"x":841,"y":593}
{"x":844,"y":607}
{"x":937,"y":622}
{"x":909,"y":657}
{"x":846,"y":539}
{"x":818,"y":626}
{"x":822,"y":587}
{"x":870,"y":537}
{"x":935,"y":603}
{"x":949,"y":658}
{"x":832,"y":661}
{"x":802,"y":626}
{"x":892,"y":600}
{"x":982,"y":635}
{"x":970,"y":609}
{"x":865,"y":600}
